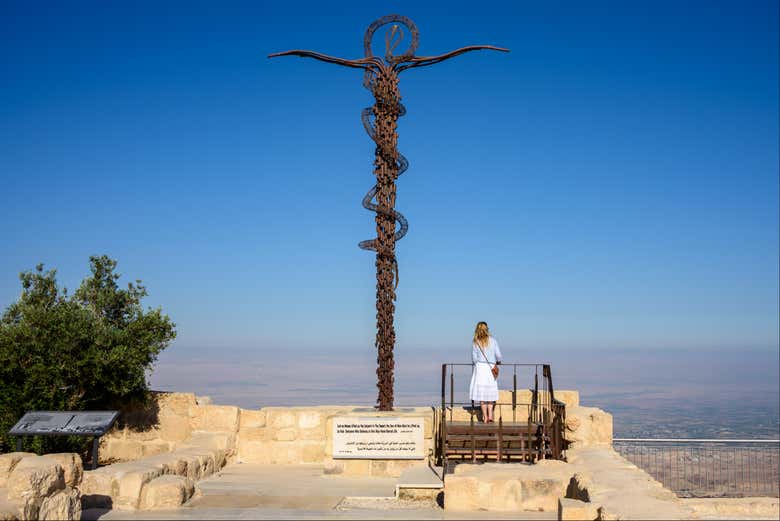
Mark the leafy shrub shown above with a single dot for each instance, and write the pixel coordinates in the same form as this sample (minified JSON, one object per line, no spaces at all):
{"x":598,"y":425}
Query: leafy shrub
{"x":87,"y":351}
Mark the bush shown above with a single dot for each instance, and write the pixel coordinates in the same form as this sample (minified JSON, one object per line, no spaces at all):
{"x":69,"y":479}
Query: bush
{"x":88,"y":351}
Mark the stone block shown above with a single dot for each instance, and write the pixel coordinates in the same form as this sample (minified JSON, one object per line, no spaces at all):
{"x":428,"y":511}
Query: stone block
{"x":392,"y":468}
{"x":222,"y":458}
{"x":356,"y":467}
{"x":253,"y":434}
{"x":428,"y":427}
{"x":8,"y":462}
{"x":211,"y":441}
{"x":71,"y":464}
{"x":174,"y":427}
{"x":333,"y":467}
{"x":312,"y":452}
{"x":168,"y":463}
{"x":579,"y":487}
{"x":576,"y":510}
{"x":280,"y":418}
{"x":98,"y":488}
{"x":428,"y":495}
{"x":214,"y":418}
{"x":465,"y":494}
{"x":10,"y":511}
{"x":35,"y":477}
{"x":428,"y":447}
{"x":287,"y":434}
{"x":503,"y":488}
{"x":253,"y":451}
{"x":152,"y":448}
{"x":130,"y":485}
{"x":138,"y":434}
{"x":569,"y":397}
{"x":251,"y":419}
{"x":192,"y":465}
{"x":200,"y":462}
{"x":309,"y":419}
{"x":542,"y":494}
{"x":285,"y":453}
{"x":316,"y":434}
{"x":588,"y":426}
{"x":122,"y":450}
{"x":178,"y":404}
{"x":64,"y":505}
{"x":165,"y":493}
{"x":524,"y":397}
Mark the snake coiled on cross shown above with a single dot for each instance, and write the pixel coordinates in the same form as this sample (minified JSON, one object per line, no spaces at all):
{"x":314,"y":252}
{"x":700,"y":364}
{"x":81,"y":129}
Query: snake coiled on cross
{"x":402,"y":164}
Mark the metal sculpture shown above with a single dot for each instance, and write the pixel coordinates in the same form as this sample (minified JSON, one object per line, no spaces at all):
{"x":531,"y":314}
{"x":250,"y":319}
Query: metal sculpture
{"x":381,"y":78}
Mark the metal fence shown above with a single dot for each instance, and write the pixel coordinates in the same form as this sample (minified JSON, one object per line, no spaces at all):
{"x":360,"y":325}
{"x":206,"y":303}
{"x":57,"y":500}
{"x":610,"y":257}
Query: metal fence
{"x":708,"y":468}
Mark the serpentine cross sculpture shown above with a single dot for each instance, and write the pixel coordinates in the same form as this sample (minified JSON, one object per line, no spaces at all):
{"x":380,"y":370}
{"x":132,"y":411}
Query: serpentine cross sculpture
{"x":381,"y":78}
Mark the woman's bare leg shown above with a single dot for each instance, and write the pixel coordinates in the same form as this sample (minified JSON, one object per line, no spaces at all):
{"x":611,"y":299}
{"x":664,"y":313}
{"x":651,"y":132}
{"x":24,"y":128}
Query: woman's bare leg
{"x":484,"y":407}
{"x":490,"y":407}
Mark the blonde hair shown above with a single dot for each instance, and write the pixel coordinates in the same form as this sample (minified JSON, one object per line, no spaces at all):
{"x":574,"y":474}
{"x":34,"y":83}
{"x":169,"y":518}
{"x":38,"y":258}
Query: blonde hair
{"x":481,"y":334}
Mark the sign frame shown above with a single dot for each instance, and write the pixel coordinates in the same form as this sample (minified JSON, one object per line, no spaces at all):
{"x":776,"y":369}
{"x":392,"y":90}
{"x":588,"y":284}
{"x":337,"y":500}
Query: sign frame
{"x":17,"y":429}
{"x":368,"y":454}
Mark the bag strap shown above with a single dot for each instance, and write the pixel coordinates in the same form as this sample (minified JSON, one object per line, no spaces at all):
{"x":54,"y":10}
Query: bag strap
{"x":483,"y":352}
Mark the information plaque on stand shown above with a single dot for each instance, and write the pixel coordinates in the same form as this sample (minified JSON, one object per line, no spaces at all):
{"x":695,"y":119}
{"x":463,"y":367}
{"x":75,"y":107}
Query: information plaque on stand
{"x":65,"y":423}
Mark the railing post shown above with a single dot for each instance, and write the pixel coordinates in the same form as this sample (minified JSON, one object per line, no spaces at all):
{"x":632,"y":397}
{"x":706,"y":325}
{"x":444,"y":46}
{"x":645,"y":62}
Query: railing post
{"x":535,"y":397}
{"x":530,"y":454}
{"x":548,"y":374}
{"x":452,"y":391}
{"x":514,"y":392}
{"x":500,"y":438}
{"x":443,"y":388}
{"x":473,"y":441}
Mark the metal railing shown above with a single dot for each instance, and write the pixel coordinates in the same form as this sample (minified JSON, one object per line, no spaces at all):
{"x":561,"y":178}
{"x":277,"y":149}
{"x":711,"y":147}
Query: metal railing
{"x":542,"y":398}
{"x":539,"y":411}
{"x":708,"y":467}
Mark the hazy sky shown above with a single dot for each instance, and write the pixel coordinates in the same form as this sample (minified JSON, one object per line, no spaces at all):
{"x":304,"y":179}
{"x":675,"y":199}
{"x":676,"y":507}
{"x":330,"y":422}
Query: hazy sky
{"x":611,"y":182}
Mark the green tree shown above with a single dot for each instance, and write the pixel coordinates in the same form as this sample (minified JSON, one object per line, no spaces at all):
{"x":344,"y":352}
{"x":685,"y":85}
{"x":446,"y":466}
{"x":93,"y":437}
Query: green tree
{"x":86,"y":351}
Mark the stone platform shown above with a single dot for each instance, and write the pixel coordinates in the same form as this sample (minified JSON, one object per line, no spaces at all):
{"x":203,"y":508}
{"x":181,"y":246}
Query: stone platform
{"x":183,"y":458}
{"x":263,"y":491}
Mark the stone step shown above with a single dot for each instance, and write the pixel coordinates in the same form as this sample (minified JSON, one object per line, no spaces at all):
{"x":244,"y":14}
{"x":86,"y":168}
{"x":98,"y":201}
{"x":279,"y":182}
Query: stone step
{"x":420,"y":483}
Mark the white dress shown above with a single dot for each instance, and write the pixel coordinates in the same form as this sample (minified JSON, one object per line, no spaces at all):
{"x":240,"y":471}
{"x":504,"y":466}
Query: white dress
{"x":484,"y":388}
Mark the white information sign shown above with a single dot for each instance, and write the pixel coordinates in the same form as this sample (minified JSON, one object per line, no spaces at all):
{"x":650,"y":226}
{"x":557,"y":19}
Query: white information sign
{"x":357,"y":437}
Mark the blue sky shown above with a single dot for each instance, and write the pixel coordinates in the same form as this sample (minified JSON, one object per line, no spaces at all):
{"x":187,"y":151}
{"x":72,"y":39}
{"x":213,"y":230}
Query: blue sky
{"x":612,"y":182}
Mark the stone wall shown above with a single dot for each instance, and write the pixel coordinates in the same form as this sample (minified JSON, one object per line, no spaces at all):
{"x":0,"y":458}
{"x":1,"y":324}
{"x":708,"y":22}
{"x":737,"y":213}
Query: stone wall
{"x":272,"y":435}
{"x":289,"y":435}
{"x":160,"y":427}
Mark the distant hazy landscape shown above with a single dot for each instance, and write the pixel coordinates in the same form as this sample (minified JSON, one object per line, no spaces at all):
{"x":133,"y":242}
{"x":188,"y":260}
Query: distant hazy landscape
{"x":663,"y":393}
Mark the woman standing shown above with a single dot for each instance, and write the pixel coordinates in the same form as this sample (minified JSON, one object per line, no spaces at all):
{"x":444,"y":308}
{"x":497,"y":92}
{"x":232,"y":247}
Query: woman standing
{"x":485,"y":357}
